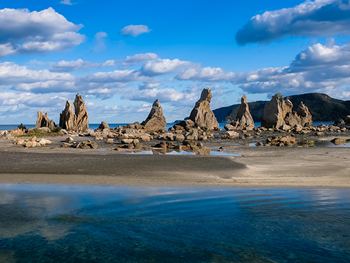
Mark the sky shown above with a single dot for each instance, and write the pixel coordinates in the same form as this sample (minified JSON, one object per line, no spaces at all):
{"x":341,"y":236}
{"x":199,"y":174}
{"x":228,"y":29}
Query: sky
{"x":123,"y":55}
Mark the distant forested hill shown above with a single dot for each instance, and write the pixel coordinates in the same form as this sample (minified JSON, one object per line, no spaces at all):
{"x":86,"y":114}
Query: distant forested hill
{"x":321,"y":106}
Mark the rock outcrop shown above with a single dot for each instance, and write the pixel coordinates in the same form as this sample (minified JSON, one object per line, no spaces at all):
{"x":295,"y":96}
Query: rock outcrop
{"x":279,"y":112}
{"x":201,"y":114}
{"x":81,"y":115}
{"x":244,"y":119}
{"x":77,"y":121}
{"x":305,"y":115}
{"x":103,"y":125}
{"x":155,"y":120}
{"x":44,"y":121}
{"x":67,"y":120}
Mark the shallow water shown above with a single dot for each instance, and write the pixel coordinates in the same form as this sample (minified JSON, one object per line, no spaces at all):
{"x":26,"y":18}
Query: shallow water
{"x":158,"y":224}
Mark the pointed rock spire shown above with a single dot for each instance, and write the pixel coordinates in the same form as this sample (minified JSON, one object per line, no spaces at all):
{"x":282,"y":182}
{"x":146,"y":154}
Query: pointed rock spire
{"x":201,"y":114}
{"x":244,"y":118}
{"x":155,"y":120}
{"x":67,"y":117}
{"x":81,"y":114}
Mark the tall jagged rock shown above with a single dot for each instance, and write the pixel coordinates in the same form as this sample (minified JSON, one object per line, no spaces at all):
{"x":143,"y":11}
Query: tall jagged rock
{"x":67,"y":120}
{"x":44,"y":121}
{"x":273,"y":115}
{"x":155,"y":120}
{"x":305,"y":115}
{"x":244,"y":119}
{"x":201,"y":114}
{"x":81,"y":117}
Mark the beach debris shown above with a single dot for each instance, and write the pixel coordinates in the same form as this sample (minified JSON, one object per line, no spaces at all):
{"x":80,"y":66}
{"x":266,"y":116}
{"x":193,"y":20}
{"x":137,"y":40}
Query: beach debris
{"x":201,"y":114}
{"x":44,"y":121}
{"x":155,"y":120}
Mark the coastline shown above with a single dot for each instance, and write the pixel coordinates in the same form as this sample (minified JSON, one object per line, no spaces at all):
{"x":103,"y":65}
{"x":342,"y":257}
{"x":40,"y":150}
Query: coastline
{"x":256,"y":167}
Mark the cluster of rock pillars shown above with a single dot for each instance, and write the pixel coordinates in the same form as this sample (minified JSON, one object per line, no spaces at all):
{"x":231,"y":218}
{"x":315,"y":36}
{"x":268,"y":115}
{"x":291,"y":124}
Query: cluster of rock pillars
{"x":278,"y":114}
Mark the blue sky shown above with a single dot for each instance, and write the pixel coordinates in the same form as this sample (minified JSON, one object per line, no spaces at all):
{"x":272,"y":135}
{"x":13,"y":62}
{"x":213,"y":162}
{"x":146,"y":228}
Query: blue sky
{"x":122,"y":55}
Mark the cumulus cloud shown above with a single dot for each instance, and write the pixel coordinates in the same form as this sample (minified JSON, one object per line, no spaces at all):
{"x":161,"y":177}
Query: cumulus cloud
{"x":137,"y":59}
{"x":11,"y":74}
{"x":134,"y":30}
{"x":165,"y":66}
{"x":68,"y":66}
{"x":317,"y":18}
{"x":23,"y":32}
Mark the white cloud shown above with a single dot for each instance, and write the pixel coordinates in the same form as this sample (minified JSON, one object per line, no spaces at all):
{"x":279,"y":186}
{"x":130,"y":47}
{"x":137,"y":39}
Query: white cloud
{"x":164,"y":95}
{"x":68,"y":66}
{"x":66,"y":2}
{"x":165,"y":66}
{"x":11,"y":74}
{"x":138,"y":59}
{"x":317,"y":18}
{"x":100,"y":35}
{"x":115,"y":76}
{"x":23,"y":32}
{"x":134,"y":30}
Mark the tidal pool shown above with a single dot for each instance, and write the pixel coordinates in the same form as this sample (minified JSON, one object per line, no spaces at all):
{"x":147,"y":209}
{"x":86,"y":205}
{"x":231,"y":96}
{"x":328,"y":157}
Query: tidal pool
{"x":43,"y":223}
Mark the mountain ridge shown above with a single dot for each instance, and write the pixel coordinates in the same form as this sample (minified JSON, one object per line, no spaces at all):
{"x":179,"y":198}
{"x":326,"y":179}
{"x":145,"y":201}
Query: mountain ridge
{"x":321,"y":106}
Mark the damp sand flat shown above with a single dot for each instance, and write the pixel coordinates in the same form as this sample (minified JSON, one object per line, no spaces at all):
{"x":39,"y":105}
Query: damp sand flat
{"x":258,"y":166}
{"x":43,"y":223}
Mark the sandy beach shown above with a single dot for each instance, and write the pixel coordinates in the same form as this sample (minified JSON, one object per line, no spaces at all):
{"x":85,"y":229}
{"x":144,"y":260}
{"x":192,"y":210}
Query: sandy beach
{"x":256,"y":167}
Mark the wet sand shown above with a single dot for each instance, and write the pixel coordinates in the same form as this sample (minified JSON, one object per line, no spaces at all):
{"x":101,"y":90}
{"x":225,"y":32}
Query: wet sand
{"x":258,"y":166}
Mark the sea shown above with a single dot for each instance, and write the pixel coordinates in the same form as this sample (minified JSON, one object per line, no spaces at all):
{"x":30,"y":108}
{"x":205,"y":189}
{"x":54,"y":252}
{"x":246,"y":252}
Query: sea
{"x":94,"y":126}
{"x":66,"y":223}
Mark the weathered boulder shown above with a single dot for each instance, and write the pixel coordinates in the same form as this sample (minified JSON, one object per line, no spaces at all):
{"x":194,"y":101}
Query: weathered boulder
{"x":81,"y":117}
{"x":305,"y":115}
{"x":67,"y":120}
{"x":244,"y":117}
{"x":201,"y":114}
{"x":103,"y":125}
{"x":155,"y":120}
{"x":44,"y":121}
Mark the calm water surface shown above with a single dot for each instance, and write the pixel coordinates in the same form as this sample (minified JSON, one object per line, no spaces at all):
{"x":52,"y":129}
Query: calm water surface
{"x":134,"y":224}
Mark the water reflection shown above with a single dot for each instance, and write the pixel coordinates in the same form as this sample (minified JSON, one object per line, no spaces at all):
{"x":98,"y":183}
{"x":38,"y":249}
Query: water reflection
{"x":143,"y":224}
